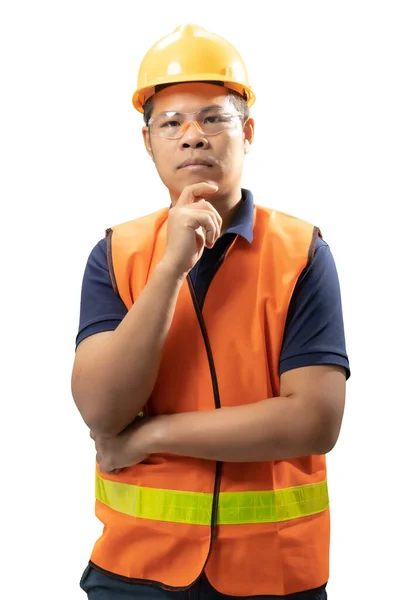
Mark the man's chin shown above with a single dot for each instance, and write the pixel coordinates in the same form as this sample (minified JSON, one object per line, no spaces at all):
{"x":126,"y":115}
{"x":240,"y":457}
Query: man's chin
{"x":189,"y":177}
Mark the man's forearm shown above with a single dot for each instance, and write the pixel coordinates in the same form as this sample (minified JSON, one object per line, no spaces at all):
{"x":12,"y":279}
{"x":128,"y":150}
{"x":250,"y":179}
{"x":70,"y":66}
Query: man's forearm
{"x":124,"y":370}
{"x":273,"y":429}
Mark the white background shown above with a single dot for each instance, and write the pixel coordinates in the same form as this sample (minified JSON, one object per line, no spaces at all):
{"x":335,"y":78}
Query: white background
{"x":327,"y":149}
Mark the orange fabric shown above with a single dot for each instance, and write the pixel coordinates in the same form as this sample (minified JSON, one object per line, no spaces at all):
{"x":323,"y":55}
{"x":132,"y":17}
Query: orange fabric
{"x":255,"y":281}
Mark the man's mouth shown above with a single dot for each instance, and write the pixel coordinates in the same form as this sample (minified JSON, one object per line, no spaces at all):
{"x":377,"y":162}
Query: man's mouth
{"x":195,"y":163}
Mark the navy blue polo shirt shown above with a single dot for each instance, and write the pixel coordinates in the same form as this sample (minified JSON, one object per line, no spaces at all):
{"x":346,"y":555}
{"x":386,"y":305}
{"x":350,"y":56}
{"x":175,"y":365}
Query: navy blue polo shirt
{"x":314,"y":335}
{"x":314,"y":332}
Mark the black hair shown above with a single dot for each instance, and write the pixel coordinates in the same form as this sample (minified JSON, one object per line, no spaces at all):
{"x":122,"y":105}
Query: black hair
{"x":238,"y":101}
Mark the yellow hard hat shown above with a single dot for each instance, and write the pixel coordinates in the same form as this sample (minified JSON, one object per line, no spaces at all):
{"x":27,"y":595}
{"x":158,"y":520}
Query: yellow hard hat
{"x":191,"y":53}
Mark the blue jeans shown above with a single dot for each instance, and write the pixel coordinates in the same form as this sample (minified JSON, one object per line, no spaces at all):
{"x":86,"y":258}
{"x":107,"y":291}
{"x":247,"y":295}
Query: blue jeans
{"x":103,"y":587}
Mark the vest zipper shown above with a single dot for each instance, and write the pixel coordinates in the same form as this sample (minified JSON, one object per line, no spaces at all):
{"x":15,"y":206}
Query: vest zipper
{"x":217,"y":404}
{"x":216,"y":394}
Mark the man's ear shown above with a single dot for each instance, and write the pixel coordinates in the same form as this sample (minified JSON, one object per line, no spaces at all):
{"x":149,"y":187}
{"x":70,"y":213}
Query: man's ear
{"x":146,"y":139}
{"x":249,"y":132}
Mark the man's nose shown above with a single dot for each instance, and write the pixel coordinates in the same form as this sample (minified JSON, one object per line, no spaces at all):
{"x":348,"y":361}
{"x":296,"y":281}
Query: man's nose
{"x":193,"y":136}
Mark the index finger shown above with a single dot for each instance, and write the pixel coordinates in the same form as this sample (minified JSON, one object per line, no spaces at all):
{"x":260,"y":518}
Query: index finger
{"x":196,"y":191}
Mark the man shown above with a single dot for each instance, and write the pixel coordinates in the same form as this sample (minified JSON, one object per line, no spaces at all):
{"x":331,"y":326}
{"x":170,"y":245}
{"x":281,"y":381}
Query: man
{"x":211,"y":361}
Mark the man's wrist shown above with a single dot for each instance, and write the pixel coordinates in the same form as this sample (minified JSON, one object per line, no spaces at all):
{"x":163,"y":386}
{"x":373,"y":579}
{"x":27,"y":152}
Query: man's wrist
{"x":156,"y":435}
{"x":171,"y":270}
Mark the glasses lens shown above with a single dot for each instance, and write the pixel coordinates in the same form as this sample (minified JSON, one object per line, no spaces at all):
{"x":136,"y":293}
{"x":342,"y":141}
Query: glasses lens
{"x":169,"y":125}
{"x":216,"y":122}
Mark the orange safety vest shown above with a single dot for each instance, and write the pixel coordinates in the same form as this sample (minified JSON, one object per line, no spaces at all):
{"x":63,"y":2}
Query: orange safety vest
{"x":255,"y":528}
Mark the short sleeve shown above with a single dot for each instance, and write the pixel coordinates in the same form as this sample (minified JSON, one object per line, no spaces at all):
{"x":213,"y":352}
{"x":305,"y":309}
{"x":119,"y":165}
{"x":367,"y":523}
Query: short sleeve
{"x":314,"y":332}
{"x":101,"y":309}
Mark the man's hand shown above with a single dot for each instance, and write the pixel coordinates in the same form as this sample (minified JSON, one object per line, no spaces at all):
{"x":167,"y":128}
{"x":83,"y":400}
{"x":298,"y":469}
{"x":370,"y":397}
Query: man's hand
{"x":193,"y":223}
{"x":129,"y":447}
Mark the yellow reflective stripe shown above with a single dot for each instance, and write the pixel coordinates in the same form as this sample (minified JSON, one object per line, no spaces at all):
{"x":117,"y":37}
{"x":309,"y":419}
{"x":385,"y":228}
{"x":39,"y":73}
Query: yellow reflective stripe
{"x":196,"y":508}
{"x":154,"y":503}
{"x":272,"y":506}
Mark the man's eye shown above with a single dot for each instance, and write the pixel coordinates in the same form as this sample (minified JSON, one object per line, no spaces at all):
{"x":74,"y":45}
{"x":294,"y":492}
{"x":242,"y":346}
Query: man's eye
{"x":215,"y":119}
{"x":170,"y":124}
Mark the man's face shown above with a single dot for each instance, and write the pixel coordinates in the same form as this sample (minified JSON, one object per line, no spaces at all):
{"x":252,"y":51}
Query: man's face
{"x":224,"y":152}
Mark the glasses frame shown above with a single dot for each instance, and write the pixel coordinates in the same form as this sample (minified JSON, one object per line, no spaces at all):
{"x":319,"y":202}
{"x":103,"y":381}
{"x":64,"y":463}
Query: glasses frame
{"x":188,"y":122}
